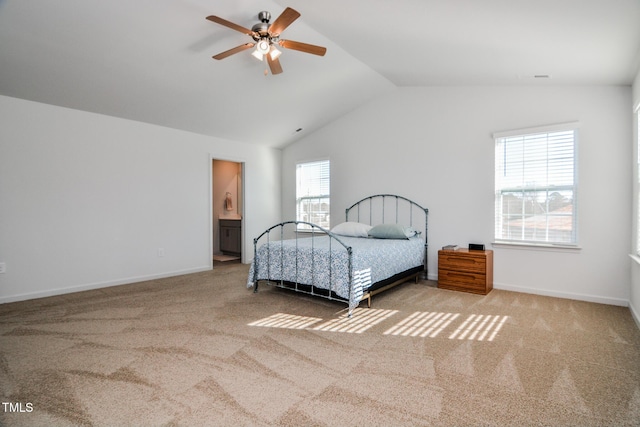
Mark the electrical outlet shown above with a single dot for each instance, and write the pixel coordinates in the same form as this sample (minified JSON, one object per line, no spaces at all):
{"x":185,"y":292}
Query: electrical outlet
{"x":160,"y":252}
{"x":3,"y":267}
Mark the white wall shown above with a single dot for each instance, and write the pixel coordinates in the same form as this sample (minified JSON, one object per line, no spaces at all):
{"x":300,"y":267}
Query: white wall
{"x":87,"y":200}
{"x":434,"y":145}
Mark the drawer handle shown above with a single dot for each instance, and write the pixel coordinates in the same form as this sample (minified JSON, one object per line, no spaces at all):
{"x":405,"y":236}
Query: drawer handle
{"x":466,"y":260}
{"x":465,"y":276}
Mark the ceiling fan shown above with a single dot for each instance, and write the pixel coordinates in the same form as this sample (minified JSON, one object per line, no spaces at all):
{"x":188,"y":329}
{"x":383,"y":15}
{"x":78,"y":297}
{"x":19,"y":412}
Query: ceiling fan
{"x":265,"y":38}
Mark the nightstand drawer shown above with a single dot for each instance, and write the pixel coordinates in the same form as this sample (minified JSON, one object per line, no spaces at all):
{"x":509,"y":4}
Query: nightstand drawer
{"x":461,"y":279}
{"x":464,"y":262}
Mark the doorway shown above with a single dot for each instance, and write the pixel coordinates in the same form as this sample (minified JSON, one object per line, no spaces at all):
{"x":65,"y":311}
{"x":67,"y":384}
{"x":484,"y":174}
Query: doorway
{"x":227,"y":211}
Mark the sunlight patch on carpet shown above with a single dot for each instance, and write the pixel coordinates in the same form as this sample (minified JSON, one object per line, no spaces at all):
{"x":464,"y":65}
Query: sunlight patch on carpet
{"x":479,"y":327}
{"x":422,"y":324}
{"x":286,"y":321}
{"x":360,"y":321}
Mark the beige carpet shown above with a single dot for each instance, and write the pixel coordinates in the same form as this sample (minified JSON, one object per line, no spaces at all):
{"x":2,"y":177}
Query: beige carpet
{"x":202,"y":350}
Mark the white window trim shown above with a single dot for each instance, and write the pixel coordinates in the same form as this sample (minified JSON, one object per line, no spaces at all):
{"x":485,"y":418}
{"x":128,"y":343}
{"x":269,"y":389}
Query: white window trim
{"x":635,"y":255}
{"x":538,"y":129}
{"x":302,"y":162}
{"x":509,"y":244}
{"x":537,"y":246}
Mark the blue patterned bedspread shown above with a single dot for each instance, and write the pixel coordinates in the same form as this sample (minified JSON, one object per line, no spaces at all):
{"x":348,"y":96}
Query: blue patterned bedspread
{"x":373,"y":260}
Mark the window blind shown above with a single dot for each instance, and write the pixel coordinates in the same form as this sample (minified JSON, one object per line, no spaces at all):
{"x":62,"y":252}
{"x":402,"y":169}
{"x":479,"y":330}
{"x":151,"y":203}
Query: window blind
{"x":535,"y":181}
{"x":638,"y":181}
{"x":313,"y":193}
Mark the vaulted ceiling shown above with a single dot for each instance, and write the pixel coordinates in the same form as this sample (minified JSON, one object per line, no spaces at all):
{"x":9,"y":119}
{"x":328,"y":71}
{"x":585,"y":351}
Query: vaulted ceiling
{"x":150,"y":60}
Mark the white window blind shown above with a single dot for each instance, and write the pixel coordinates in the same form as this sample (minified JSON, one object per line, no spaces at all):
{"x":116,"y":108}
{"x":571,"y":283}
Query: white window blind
{"x":638,"y":181}
{"x":313,"y":193}
{"x":535,"y":182}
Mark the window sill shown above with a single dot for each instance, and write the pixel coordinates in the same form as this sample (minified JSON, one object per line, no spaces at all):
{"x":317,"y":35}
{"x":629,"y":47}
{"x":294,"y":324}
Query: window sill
{"x":636,"y":258}
{"x":537,"y":247}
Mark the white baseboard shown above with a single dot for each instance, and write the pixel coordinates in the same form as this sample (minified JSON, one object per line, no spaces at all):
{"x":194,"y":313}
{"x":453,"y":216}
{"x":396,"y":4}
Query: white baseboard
{"x":98,"y":285}
{"x":567,"y":295}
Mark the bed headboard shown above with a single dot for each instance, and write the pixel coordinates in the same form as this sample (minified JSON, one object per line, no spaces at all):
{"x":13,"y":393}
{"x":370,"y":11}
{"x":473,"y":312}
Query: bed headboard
{"x":389,"y":208}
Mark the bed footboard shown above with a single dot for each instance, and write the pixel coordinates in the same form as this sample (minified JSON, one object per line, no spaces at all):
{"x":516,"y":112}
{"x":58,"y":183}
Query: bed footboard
{"x":294,"y":258}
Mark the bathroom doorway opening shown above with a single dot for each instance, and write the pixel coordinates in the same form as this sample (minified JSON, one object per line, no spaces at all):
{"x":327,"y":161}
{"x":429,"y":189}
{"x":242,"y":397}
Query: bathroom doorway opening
{"x":227,"y":197}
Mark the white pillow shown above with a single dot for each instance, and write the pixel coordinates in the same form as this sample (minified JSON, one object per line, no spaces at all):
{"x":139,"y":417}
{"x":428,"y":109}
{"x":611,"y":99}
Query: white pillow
{"x":352,"y":229}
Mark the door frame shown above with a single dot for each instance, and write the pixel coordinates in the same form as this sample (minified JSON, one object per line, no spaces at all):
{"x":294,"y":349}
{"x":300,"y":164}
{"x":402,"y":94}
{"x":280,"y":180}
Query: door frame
{"x":243,"y":166}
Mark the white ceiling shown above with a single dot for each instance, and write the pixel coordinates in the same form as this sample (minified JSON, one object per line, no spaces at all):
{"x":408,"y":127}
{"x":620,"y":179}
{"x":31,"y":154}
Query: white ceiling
{"x":150,"y":60}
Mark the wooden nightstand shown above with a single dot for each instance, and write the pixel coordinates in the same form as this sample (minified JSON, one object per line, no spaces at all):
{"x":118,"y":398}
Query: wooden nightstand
{"x":466,"y":271}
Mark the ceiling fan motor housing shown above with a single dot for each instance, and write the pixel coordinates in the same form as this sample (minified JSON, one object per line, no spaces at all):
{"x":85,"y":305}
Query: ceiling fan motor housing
{"x":262,"y":28}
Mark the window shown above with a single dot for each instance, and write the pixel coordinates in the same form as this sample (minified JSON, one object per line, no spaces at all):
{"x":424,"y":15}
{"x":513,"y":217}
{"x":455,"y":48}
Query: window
{"x":312,"y":193}
{"x":637,"y":118}
{"x":535,"y":181}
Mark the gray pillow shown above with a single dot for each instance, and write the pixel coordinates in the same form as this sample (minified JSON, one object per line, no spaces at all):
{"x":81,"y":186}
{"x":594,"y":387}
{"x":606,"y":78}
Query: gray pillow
{"x":391,"y":231}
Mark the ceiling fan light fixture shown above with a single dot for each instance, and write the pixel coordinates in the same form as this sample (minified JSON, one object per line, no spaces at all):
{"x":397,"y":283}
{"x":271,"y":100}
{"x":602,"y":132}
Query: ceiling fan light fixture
{"x":263,"y":46}
{"x":256,"y":54}
{"x":275,"y":53}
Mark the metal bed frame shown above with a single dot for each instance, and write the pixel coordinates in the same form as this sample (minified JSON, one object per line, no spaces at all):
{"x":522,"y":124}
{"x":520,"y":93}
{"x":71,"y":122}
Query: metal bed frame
{"x":356,"y":293}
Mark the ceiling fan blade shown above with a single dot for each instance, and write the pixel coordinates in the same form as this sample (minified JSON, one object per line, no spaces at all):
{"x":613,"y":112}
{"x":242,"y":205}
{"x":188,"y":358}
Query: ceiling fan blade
{"x":274,"y":64}
{"x":231,"y":25}
{"x":236,"y":49}
{"x":303,"y":47}
{"x":283,"y":21}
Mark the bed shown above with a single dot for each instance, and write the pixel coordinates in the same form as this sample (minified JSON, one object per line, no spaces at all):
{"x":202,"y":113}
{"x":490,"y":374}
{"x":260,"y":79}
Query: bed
{"x":382,"y":243}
